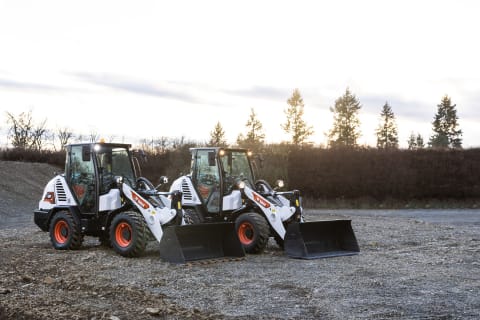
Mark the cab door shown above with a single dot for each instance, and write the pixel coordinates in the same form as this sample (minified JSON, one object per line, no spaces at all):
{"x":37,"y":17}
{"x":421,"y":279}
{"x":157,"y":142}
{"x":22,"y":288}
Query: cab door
{"x":207,"y":179}
{"x":80,"y":176}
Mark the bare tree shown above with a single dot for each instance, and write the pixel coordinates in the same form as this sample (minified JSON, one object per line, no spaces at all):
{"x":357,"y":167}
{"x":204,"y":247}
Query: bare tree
{"x":161,"y":144}
{"x":20,"y":128}
{"x":24,"y":133}
{"x":93,"y":136}
{"x":64,"y":135}
{"x":38,"y":135}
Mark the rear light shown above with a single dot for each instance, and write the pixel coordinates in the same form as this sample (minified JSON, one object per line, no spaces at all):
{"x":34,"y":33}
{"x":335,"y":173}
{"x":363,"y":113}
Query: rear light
{"x":50,"y":197}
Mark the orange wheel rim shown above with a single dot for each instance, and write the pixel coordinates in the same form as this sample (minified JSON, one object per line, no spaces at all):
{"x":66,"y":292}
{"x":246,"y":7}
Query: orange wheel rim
{"x":246,"y":233}
{"x":123,"y":234}
{"x":61,"y":232}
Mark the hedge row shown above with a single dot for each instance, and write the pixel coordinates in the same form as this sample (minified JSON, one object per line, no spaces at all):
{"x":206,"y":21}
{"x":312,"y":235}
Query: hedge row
{"x":398,"y":174}
{"x":333,"y":174}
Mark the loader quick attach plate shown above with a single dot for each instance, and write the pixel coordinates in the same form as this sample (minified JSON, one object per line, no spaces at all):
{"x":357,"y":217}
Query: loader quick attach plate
{"x":320,"y":239}
{"x":181,"y":244}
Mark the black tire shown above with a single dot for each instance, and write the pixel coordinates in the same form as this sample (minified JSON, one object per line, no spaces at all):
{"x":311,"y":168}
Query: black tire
{"x":253,"y":232}
{"x":280,"y":242}
{"x":65,"y":232}
{"x":192,"y":216}
{"x":129,"y":234}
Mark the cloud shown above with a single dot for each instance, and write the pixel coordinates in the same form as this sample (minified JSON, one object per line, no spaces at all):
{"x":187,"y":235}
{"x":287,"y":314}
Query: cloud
{"x":10,"y":84}
{"x":264,"y":92}
{"x":413,"y":109}
{"x":171,"y":90}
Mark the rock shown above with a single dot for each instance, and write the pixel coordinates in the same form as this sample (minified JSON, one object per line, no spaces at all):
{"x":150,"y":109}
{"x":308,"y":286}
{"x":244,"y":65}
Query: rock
{"x":153,"y":311}
{"x":48,"y":280}
{"x":114,"y":318}
{"x":5,"y":290}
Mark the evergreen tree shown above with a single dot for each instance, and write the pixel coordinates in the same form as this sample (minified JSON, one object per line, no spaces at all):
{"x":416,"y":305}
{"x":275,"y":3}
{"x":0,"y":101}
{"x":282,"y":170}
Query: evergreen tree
{"x":295,"y":125}
{"x":412,"y":142}
{"x":346,"y":124}
{"x":420,"y":144}
{"x":387,"y":135}
{"x":445,"y":126}
{"x":415,"y":142}
{"x":255,"y":136}
{"x":217,"y":136}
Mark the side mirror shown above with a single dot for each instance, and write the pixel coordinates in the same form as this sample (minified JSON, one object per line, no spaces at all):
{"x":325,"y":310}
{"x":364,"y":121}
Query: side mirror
{"x":86,"y":153}
{"x":211,"y":159}
{"x":163,"y":180}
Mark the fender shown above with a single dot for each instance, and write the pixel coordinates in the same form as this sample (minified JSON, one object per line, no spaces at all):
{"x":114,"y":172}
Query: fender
{"x":42,"y":218}
{"x":274,"y":214}
{"x":154,"y":217}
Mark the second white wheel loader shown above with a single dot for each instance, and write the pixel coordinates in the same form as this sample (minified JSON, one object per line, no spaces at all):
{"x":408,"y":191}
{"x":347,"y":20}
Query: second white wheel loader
{"x":99,"y":195}
{"x":222,"y":187}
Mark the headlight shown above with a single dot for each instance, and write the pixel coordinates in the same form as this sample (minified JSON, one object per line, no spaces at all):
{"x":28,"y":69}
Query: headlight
{"x":280,"y":183}
{"x":241,"y":185}
{"x":119,"y":180}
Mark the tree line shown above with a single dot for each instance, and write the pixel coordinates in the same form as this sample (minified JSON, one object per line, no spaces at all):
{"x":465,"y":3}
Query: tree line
{"x":345,"y":131}
{"x":25,"y":133}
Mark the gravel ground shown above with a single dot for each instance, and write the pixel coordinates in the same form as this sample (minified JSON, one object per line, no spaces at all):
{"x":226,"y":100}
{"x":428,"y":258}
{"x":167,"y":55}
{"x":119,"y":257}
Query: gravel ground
{"x":407,"y":269}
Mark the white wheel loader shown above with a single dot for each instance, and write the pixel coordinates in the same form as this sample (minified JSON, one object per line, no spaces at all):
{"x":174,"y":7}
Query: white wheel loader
{"x":222,"y":187}
{"x":99,"y":195}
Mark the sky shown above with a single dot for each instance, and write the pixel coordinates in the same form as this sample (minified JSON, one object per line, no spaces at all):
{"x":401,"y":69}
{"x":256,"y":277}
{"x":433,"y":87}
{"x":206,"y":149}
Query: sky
{"x":146,"y":69}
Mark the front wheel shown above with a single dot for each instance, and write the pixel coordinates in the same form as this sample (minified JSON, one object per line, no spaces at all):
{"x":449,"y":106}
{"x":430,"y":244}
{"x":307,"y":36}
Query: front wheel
{"x":65,"y":232}
{"x":253,"y":231}
{"x":128,"y":234}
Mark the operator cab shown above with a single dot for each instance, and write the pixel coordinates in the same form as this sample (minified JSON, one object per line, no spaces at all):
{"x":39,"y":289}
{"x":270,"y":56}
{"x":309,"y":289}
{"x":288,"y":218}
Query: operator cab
{"x":91,"y":171}
{"x":217,"y":173}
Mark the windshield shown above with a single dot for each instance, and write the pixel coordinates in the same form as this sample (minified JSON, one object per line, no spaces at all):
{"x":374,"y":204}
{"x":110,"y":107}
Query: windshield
{"x":112,"y":162}
{"x":236,"y":165}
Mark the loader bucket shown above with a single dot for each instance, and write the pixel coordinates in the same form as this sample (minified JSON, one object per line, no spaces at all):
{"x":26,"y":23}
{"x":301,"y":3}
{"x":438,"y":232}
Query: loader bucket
{"x":185,"y":243}
{"x":320,"y":239}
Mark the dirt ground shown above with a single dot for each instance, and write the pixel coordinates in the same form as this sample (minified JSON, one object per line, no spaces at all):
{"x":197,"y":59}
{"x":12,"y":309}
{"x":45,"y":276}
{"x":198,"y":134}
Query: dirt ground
{"x":407,"y":269}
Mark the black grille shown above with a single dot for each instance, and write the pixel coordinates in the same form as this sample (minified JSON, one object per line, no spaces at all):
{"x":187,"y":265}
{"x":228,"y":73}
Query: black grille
{"x":187,"y":194}
{"x":61,"y":195}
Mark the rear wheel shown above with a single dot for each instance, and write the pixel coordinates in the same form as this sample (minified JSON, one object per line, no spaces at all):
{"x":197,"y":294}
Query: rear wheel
{"x":65,"y":232}
{"x":128,"y":234}
{"x":253,"y":232}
